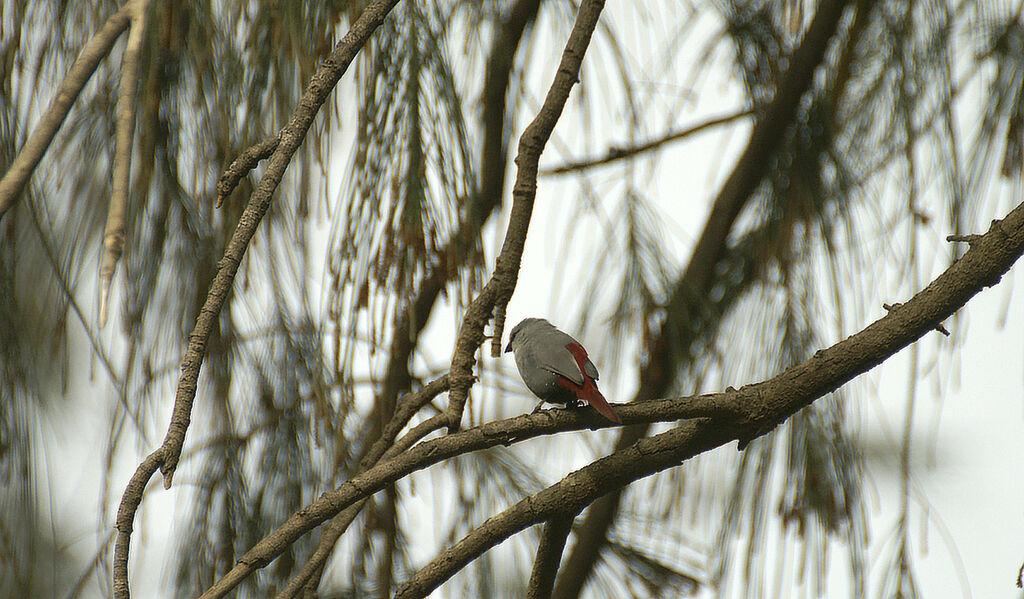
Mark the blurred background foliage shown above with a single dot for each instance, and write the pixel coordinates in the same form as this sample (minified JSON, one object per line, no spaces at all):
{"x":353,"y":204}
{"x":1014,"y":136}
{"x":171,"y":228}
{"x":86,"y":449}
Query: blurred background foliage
{"x":383,"y":230}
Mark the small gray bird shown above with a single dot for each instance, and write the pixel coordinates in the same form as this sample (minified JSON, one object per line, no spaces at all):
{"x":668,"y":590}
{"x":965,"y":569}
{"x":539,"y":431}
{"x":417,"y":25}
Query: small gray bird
{"x":556,"y":367}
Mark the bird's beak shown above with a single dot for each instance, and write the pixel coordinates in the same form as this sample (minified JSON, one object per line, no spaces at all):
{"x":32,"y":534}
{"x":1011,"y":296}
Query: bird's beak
{"x":509,"y":347}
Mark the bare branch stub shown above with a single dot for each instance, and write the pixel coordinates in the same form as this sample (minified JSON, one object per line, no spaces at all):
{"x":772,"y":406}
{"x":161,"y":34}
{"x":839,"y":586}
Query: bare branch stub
{"x":243,"y":165}
{"x":969,"y":239}
{"x":291,"y":136}
{"x":938,"y":327}
{"x":495,"y":295}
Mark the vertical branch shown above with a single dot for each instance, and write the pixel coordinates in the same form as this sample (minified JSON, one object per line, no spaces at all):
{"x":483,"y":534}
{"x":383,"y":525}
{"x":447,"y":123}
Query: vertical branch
{"x":549,"y":554}
{"x":17,"y":175}
{"x":166,"y":456}
{"x":113,"y":234}
{"x":495,"y":295}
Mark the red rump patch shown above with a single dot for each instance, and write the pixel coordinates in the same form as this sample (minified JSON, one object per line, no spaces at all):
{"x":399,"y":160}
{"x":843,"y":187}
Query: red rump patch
{"x":587,"y":392}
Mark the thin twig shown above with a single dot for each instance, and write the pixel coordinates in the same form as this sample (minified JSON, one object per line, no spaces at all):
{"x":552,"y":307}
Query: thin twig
{"x":113,"y":234}
{"x":166,"y":456}
{"x":616,"y":153}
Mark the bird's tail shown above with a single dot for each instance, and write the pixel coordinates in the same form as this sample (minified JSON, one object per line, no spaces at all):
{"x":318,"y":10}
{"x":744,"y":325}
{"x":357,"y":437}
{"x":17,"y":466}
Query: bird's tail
{"x":590,"y":394}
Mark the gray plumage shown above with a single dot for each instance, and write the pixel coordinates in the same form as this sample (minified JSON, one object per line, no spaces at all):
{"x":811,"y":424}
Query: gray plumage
{"x":549,"y":361}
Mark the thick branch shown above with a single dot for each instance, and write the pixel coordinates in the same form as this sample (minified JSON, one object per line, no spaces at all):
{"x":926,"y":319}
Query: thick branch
{"x":765,"y":405}
{"x":167,"y":455}
{"x":683,"y":306}
{"x":496,"y":293}
{"x":81,"y":71}
{"x":741,"y":414}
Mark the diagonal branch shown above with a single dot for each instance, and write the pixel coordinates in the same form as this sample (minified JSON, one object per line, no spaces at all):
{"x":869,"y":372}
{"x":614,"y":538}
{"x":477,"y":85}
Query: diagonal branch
{"x":742,"y":414}
{"x":17,"y":175}
{"x":495,"y":295}
{"x":166,"y":456}
{"x":407,"y":408}
{"x":113,"y":234}
{"x":764,"y":405}
{"x":673,"y":338}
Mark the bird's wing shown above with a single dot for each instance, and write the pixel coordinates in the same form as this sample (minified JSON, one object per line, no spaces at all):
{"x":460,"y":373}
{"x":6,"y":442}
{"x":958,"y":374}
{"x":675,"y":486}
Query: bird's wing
{"x":555,"y":357}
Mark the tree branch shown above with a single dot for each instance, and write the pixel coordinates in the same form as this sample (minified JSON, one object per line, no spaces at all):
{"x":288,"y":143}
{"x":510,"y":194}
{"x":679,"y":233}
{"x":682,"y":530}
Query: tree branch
{"x":242,"y":166}
{"x":549,"y":554}
{"x":683,"y":307}
{"x":113,"y":234}
{"x":764,"y":405}
{"x":24,"y":164}
{"x":742,"y":414}
{"x":496,"y":293}
{"x":166,"y":456}
{"x":616,"y":153}
{"x":407,"y":408}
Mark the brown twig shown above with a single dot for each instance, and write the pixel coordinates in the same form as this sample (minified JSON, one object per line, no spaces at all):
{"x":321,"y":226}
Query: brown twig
{"x":549,"y":553}
{"x":242,"y":165}
{"x":765,"y":404}
{"x":616,"y":153}
{"x":494,"y":297}
{"x":166,"y":456}
{"x":113,"y":234}
{"x":24,"y":164}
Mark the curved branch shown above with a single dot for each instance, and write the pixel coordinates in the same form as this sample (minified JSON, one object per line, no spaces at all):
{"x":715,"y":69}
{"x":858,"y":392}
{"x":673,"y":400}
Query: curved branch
{"x":17,"y":175}
{"x":764,"y":405}
{"x":487,"y":198}
{"x":242,"y":165}
{"x":742,"y":414}
{"x":166,"y":456}
{"x":498,"y":291}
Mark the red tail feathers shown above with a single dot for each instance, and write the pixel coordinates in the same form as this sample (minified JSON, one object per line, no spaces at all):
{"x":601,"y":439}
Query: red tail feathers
{"x":588,"y":392}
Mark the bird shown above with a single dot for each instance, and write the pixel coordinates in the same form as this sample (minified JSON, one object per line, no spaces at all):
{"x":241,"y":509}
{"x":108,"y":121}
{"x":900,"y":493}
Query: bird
{"x":555,"y":367}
